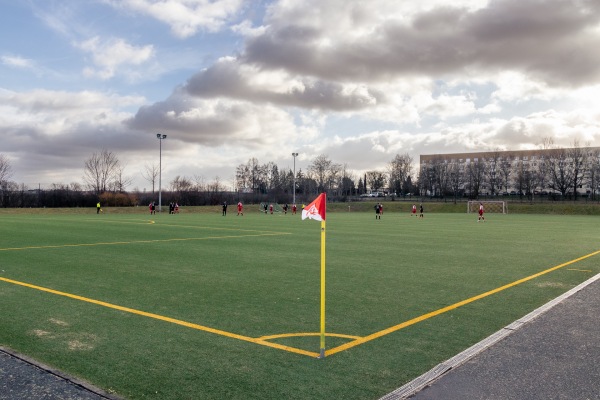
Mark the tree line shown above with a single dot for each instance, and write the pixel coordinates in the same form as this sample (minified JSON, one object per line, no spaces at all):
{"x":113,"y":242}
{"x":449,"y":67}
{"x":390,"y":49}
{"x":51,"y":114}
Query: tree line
{"x":559,"y":171}
{"x":104,"y":180}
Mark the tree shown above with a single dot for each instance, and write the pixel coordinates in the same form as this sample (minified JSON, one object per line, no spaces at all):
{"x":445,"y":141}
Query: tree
{"x":593,"y":172}
{"x":375,"y":180}
{"x":100,"y":170}
{"x":578,"y":158}
{"x":150,"y":173}
{"x":5,"y":168}
{"x":476,"y":173}
{"x":324,"y":172}
{"x":455,"y":178}
{"x":441,"y":176}
{"x":504,"y":173}
{"x":560,"y":176}
{"x":399,"y":170}
{"x":120,"y":181}
{"x":493,"y":171}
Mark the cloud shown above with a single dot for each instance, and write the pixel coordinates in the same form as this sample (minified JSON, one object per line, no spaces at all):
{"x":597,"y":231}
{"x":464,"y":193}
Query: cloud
{"x":185,"y":17}
{"x":112,"y":54}
{"x":228,"y":78}
{"x":549,"y":40}
{"x":16,"y":62}
{"x":215,"y":122}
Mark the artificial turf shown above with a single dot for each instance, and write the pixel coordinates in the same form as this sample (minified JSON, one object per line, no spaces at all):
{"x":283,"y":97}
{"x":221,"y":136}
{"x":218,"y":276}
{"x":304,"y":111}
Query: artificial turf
{"x":259,"y":275}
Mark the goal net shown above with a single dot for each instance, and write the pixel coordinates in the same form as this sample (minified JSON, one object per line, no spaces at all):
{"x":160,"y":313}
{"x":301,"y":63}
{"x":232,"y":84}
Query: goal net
{"x":488,"y":206}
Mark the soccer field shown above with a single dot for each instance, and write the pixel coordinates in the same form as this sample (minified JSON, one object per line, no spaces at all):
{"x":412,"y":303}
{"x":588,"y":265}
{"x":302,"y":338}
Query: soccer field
{"x":203,"y":306}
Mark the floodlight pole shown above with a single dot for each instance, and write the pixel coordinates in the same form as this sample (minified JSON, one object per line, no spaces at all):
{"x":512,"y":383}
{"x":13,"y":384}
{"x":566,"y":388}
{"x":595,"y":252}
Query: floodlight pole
{"x":294,"y":188}
{"x":160,"y":138}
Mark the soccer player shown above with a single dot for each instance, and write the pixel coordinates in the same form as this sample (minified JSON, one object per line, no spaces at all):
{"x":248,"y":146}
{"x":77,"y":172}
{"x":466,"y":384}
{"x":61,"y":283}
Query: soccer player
{"x":481,"y":210}
{"x":271,"y":208}
{"x":294,"y":208}
{"x":98,"y":208}
{"x":414,"y":210}
{"x":420,"y":210}
{"x":265,"y":206}
{"x":240,"y":208}
{"x":285,"y":207}
{"x":224,"y":208}
{"x":377,"y":211}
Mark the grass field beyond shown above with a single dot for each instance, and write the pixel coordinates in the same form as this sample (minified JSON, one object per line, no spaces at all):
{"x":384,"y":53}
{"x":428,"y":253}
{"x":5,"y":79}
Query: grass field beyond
{"x":209,"y":307}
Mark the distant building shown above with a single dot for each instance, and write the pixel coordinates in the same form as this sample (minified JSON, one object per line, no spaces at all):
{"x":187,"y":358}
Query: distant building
{"x":522,"y":172}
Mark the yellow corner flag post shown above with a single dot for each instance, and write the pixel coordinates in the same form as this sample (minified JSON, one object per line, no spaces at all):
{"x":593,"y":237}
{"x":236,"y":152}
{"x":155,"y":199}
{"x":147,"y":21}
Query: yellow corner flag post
{"x":316,"y":210}
{"x":322,"y":352}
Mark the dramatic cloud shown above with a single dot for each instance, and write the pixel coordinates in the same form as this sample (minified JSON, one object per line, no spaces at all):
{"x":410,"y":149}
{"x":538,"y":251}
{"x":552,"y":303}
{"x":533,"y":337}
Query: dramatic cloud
{"x":359,"y":81}
{"x":547,"y":39}
{"x":228,"y":78}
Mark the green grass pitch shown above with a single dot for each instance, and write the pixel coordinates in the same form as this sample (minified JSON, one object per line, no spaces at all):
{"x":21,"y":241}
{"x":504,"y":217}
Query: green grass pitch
{"x":197,"y":305}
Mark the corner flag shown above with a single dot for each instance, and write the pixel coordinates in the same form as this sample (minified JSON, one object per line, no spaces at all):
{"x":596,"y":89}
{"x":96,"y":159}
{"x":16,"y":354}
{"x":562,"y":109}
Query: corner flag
{"x":316,"y":210}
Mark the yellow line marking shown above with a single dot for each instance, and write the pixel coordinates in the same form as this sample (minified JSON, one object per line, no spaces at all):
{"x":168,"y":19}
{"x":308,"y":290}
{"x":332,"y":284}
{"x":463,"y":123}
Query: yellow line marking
{"x":432,"y":314}
{"x":260,"y":341}
{"x":580,"y":270}
{"x":305,"y":334}
{"x":57,"y":246}
{"x":358,"y":340}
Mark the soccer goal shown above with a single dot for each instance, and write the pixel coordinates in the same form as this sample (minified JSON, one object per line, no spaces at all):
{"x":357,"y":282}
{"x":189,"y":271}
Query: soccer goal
{"x":488,"y":206}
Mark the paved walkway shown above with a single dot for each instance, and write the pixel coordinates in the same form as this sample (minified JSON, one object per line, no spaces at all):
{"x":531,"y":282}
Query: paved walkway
{"x":24,"y":379}
{"x":551,"y":353}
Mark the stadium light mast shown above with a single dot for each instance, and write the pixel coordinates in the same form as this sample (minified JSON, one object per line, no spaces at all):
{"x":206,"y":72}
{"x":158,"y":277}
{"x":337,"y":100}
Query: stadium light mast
{"x":160,"y":138}
{"x":294,"y":188}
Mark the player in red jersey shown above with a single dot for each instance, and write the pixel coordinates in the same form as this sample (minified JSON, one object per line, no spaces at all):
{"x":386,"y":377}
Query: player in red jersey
{"x":481,"y":210}
{"x":240,"y":208}
{"x":414,"y":210}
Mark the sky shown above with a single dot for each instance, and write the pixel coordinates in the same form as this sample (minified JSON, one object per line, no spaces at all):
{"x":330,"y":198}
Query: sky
{"x":230,"y":80}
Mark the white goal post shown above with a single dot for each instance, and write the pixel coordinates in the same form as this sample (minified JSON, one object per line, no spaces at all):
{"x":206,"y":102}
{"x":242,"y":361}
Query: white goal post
{"x":488,"y":206}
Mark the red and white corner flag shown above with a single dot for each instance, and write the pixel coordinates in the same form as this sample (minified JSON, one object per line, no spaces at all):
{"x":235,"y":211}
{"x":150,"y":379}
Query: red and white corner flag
{"x":316,"y":209}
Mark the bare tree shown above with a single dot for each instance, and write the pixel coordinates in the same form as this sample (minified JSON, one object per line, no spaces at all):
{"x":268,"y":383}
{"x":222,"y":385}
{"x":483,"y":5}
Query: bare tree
{"x":593,"y":172}
{"x":476,"y":172}
{"x":456,"y":178}
{"x":578,"y":157}
{"x":181,"y":184}
{"x":150,"y":174}
{"x":120,"y":181}
{"x":504,"y":173}
{"x":493,"y":171}
{"x":320,"y":170}
{"x":375,"y":180}
{"x":5,"y":168}
{"x":399,"y":170}
{"x":215,"y":186}
{"x":100,"y":170}
{"x":560,"y":177}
